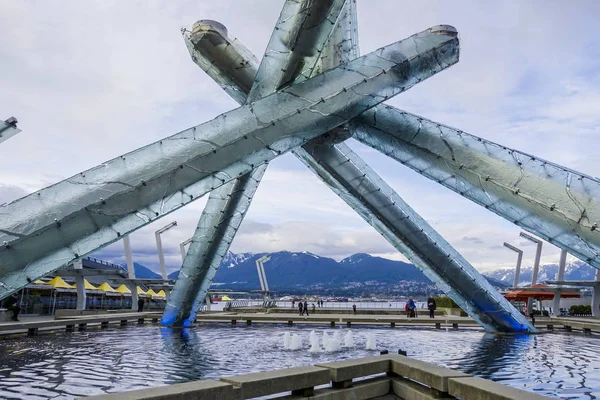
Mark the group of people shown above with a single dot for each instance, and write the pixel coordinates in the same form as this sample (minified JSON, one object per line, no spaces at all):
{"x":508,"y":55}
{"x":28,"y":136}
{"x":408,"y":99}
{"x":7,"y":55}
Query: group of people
{"x":303,"y":307}
{"x":411,"y":307}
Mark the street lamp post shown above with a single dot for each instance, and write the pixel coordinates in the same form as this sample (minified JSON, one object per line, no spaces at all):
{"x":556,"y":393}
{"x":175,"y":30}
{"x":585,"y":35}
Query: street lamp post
{"x":519,"y":259}
{"x":130,"y":273}
{"x":536,"y":265}
{"x":561,"y":277}
{"x":161,"y":257}
{"x":182,"y":248}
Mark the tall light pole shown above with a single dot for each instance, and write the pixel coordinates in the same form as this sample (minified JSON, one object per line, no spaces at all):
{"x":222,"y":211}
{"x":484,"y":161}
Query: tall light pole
{"x":561,"y":277}
{"x":130,"y":273}
{"x":182,"y":248}
{"x":536,"y":265}
{"x":161,"y":257}
{"x":519,"y":259}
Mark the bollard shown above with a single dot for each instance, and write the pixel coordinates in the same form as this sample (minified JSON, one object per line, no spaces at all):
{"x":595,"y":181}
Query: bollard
{"x":249,"y":322}
{"x":70,"y":328}
{"x":82,"y":327}
{"x":155,"y":320}
{"x":550,"y":327}
{"x":332,"y":324}
{"x":438,"y":325}
{"x":455,"y":326}
{"x":348,"y":324}
{"x":382,"y":352}
{"x":32,"y":331}
{"x":401,"y":352}
{"x":140,"y":321}
{"x":392,"y":324}
{"x":290,"y":323}
{"x":123,"y":322}
{"x":233,"y":322}
{"x":567,"y":328}
{"x":104,"y":324}
{"x":587,"y":331}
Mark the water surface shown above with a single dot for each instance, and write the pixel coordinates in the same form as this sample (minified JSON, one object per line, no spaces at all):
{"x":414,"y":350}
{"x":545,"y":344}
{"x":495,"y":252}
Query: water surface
{"x":68,"y":365}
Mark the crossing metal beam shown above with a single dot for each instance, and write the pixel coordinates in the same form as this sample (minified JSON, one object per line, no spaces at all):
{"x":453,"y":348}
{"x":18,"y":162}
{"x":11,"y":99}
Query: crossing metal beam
{"x":55,"y":226}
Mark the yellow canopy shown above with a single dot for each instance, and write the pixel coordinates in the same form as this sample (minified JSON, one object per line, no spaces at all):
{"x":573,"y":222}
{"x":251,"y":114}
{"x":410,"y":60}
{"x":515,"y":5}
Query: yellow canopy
{"x":140,"y":291}
{"x":123,"y":289}
{"x":59,"y":283}
{"x":87,"y":285}
{"x":39,"y":282}
{"x":151,"y":292}
{"x":106,"y":288}
{"x":161,"y":293}
{"x":225,"y":298}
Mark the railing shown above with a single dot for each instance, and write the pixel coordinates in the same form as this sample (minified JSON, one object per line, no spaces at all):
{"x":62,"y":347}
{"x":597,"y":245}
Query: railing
{"x":391,"y":374}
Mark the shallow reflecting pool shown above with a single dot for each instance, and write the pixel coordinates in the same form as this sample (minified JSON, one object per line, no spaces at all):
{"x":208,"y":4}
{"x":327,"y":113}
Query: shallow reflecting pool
{"x":68,"y":365}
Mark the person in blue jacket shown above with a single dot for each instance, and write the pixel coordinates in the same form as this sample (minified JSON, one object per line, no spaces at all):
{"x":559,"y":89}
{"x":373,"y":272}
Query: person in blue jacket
{"x":412,"y":307}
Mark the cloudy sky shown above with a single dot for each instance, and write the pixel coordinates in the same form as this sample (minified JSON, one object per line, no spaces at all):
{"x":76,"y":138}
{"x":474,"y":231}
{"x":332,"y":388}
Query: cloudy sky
{"x":90,"y":80}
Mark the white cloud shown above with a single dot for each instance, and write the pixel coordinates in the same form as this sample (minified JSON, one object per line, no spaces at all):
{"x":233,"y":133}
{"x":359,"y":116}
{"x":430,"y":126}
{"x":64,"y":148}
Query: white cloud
{"x":91,"y":80}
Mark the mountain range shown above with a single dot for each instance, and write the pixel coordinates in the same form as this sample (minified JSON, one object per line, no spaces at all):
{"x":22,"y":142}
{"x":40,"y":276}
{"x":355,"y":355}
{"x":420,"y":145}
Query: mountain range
{"x":576,"y":270}
{"x":294,"y":272}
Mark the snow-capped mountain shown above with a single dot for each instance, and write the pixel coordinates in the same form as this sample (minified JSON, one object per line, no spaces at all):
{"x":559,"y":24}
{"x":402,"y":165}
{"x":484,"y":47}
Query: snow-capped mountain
{"x":298,"y":271}
{"x":575,"y":270}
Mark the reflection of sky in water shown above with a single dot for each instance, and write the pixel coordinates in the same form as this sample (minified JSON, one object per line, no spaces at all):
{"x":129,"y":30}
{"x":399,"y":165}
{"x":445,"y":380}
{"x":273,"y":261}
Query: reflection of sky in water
{"x":95,"y":362}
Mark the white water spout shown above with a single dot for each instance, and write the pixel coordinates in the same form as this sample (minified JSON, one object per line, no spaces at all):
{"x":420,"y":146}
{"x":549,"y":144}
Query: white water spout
{"x":286,"y":340}
{"x":332,"y":343}
{"x":314,"y":342}
{"x":371,"y":342}
{"x":295,"y":342}
{"x":349,"y":339}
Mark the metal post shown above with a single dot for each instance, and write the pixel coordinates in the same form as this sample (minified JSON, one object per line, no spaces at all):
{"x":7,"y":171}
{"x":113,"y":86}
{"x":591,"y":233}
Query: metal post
{"x":80,"y":283}
{"x":128,"y":257}
{"x":161,"y":257}
{"x":536,"y":265}
{"x":260,"y":277}
{"x":596,"y":296}
{"x":182,"y":247}
{"x":134,"y":294}
{"x":519,"y":259}
{"x":561,"y":277}
{"x":264,"y":275}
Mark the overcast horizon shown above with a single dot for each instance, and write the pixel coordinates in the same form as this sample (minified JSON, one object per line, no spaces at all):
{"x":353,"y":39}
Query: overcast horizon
{"x":89,"y":81}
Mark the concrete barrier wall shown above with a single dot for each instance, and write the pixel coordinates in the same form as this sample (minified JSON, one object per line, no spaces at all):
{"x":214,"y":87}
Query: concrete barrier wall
{"x":391,"y":375}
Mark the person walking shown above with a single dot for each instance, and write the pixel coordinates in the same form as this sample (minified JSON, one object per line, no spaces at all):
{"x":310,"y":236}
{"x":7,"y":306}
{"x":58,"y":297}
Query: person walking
{"x":354,"y":308}
{"x":11,"y":304}
{"x":300,"y":307}
{"x":140,"y":305}
{"x":293,"y":303}
{"x":314,"y":309}
{"x":431,"y":306}
{"x":412,"y":307}
{"x":306,"y":307}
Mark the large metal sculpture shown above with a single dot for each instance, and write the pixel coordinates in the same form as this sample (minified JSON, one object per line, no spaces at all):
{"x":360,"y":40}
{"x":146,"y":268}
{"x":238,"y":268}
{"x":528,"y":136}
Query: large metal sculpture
{"x":309,"y":93}
{"x":292,"y":48}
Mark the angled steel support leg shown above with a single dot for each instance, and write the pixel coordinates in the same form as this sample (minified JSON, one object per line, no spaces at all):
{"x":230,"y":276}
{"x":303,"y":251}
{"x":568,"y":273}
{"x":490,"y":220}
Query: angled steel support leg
{"x":200,"y":43}
{"x":557,"y":204}
{"x":55,"y":226}
{"x":301,"y":31}
{"x":358,"y":185}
